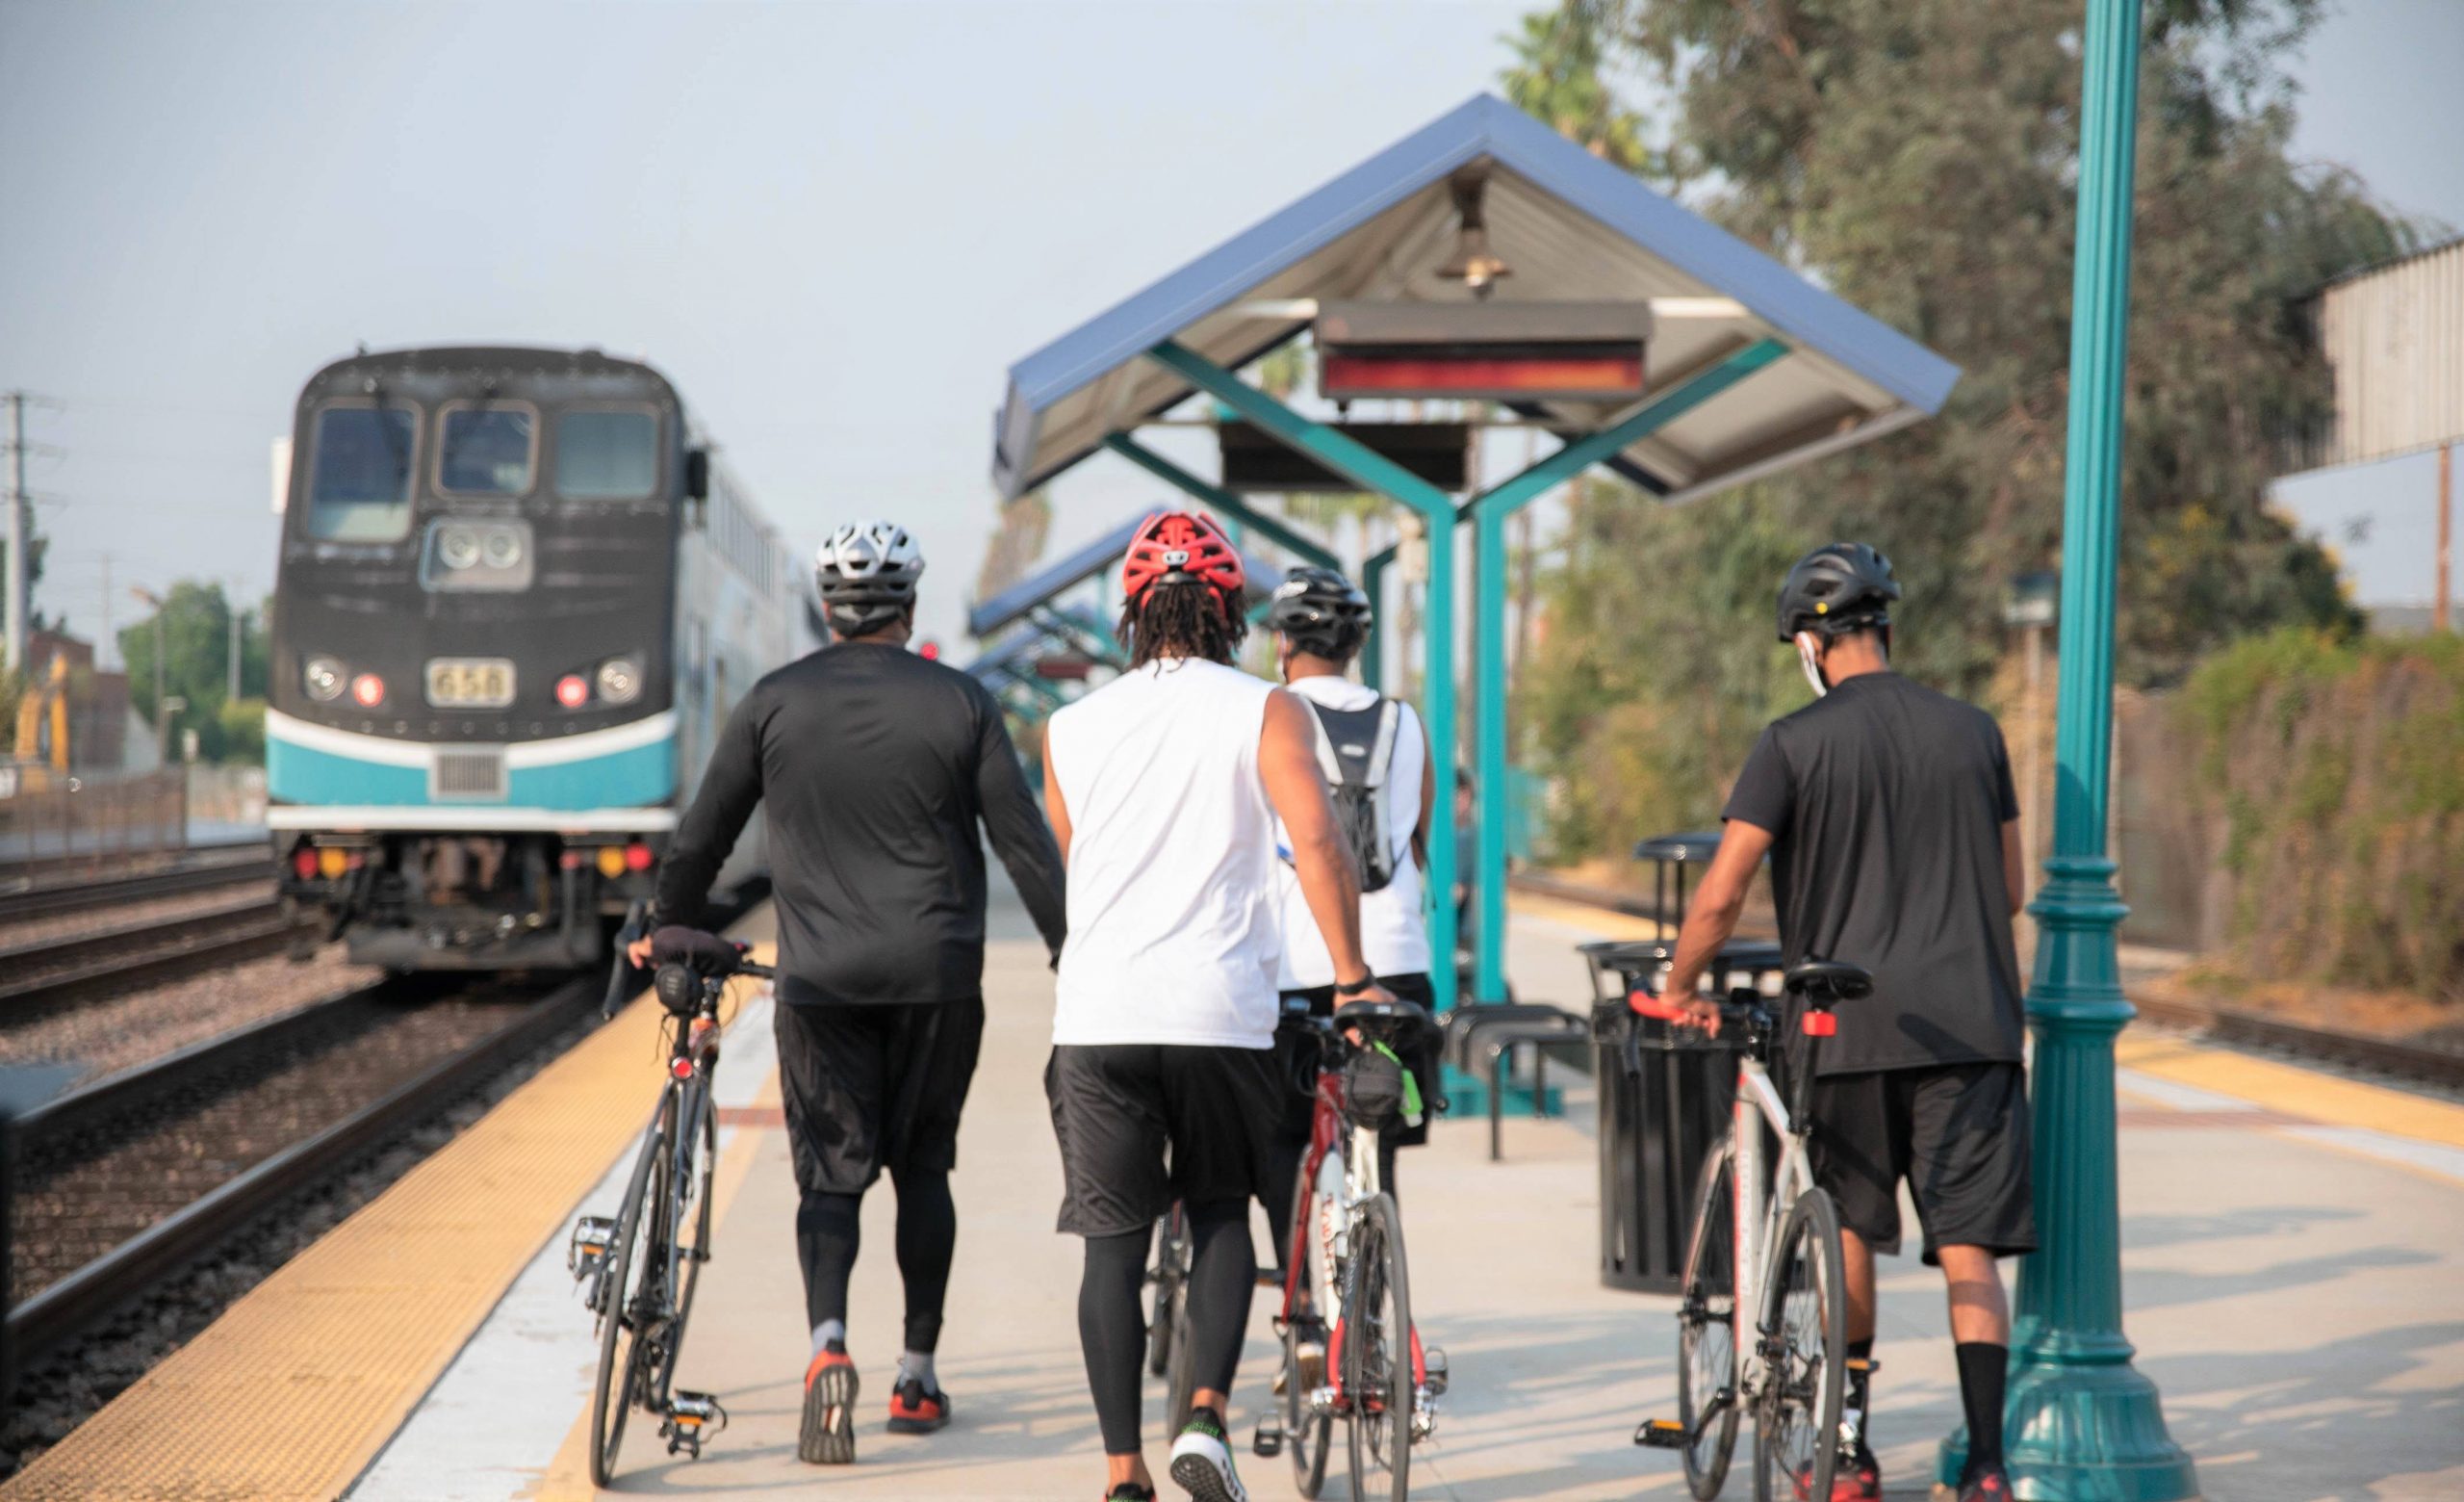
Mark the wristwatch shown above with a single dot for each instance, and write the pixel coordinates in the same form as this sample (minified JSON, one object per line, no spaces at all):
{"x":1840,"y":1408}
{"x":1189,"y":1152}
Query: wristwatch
{"x":1354,"y":988}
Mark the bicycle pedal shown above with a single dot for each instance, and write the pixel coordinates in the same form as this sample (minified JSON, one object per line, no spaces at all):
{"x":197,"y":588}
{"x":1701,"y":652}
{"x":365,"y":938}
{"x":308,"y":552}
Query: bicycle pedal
{"x":1433,"y":1377}
{"x":1327,"y":1400}
{"x":1267,"y":1441}
{"x":1660,"y":1433}
{"x":586,"y":1256}
{"x":1424,"y":1414}
{"x":691,"y":1418}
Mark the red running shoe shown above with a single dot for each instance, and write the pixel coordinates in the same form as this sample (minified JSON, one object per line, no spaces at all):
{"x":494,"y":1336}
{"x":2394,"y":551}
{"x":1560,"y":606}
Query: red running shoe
{"x":1855,"y":1478}
{"x":828,"y":1437}
{"x":916,"y":1410}
{"x":1989,"y":1485}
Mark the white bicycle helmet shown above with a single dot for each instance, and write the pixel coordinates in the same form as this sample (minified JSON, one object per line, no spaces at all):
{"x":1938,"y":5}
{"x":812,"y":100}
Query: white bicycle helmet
{"x":866,"y":573}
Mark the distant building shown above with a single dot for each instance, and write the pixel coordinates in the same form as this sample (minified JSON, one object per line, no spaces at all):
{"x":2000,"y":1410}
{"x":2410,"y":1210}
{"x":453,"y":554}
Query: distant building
{"x":99,"y":712}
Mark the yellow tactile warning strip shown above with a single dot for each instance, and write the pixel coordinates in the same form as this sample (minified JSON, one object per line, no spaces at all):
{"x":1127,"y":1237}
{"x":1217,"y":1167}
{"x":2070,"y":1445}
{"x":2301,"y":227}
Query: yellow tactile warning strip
{"x":296,"y":1388}
{"x":2288,"y":1088}
{"x":569,"y":1474}
{"x":1604,"y":921}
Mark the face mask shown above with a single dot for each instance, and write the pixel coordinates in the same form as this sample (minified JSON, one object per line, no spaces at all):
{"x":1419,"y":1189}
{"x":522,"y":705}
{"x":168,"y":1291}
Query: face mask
{"x":1810,"y":661}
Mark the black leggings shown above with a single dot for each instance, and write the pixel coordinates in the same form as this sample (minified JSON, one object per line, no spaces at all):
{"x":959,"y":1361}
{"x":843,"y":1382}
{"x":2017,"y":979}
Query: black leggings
{"x":1112,"y":1325}
{"x":829,"y":1227}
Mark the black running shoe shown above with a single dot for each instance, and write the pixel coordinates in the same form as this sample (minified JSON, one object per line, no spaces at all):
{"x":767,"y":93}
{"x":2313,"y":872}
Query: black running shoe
{"x":828,"y":1437}
{"x":1129,"y":1491}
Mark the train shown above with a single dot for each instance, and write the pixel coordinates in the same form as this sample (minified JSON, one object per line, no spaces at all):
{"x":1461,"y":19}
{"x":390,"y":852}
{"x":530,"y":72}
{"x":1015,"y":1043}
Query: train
{"x":516,"y":598}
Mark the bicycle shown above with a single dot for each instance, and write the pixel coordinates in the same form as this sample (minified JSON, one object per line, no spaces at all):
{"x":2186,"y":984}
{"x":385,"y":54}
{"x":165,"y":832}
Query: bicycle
{"x":639,"y":1271}
{"x":1347,"y":1255}
{"x":1774,"y":1251}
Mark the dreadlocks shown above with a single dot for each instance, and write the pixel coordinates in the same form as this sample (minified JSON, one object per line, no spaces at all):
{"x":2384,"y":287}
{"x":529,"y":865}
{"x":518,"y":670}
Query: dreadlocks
{"x":1181,"y":620}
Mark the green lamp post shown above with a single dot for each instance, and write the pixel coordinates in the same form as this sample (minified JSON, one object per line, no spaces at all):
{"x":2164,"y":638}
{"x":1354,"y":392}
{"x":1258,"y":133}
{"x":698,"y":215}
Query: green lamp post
{"x":2082,"y":1423}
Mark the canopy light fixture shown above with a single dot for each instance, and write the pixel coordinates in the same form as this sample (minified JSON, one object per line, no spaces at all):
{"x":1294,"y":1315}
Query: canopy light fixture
{"x":1474,"y":263}
{"x":1497,"y":351}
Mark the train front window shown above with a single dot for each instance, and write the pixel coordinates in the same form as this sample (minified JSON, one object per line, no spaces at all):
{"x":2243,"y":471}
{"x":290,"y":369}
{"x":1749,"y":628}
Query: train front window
{"x":360,"y":487}
{"x":486,"y":450}
{"x":606,"y":455}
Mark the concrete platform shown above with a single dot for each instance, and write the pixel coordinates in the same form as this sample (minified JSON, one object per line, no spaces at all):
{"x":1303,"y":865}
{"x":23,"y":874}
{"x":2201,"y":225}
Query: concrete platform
{"x":2295,"y":1251}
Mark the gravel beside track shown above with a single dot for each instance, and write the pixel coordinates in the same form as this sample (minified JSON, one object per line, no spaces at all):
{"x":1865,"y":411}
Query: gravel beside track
{"x":92,"y":920}
{"x":106,"y":1036}
{"x":59,"y":1391}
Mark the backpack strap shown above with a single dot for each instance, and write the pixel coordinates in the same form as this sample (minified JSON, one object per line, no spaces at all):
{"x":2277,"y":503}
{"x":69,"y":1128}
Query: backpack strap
{"x":1329,"y":765}
{"x":1381,"y":755}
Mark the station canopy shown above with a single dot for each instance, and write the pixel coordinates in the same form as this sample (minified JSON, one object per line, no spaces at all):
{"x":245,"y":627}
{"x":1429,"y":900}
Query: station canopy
{"x":1571,"y":229}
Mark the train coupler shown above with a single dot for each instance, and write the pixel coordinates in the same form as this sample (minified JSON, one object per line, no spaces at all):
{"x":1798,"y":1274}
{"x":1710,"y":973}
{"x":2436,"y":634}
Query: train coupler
{"x":691,"y":1418}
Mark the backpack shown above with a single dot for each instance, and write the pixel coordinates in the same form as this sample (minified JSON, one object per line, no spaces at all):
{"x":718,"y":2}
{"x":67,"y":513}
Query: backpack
{"x":1355,"y":750}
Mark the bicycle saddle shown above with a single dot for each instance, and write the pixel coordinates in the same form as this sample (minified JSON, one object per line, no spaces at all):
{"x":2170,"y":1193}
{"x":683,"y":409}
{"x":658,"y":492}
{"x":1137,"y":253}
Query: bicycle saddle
{"x":703,"y":954}
{"x":1383,"y":1016}
{"x":1841,"y":982}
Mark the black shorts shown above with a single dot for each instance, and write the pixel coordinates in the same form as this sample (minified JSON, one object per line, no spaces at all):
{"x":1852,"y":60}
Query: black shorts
{"x":866,"y":1086}
{"x":1957,"y":1132}
{"x":1116,"y":1106}
{"x":1295,"y":1051}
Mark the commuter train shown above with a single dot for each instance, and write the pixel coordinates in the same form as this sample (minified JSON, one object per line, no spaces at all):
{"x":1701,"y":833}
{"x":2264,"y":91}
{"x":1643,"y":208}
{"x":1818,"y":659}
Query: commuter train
{"x":515,"y":602}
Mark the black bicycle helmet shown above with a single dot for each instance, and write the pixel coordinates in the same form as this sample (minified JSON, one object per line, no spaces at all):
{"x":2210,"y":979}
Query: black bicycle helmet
{"x":866,"y":574}
{"x":1324,"y":613}
{"x":1837,"y":589}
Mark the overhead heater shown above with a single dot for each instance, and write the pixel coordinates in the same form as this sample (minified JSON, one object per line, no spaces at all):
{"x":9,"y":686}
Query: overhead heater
{"x":1483,"y":351}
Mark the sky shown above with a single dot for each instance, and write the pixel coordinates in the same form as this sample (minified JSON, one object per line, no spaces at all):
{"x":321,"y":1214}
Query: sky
{"x":832,"y":226}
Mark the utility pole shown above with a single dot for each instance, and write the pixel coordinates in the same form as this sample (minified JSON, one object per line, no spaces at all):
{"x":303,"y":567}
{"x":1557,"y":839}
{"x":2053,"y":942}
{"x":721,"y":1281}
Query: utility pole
{"x":17,"y":579}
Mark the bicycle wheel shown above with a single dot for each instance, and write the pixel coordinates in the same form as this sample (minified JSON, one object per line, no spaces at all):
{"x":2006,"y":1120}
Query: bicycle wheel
{"x":1377,"y":1336}
{"x":1707,"y":1329}
{"x":691,"y":1236}
{"x":1805,"y":1322}
{"x":1171,"y":1267}
{"x":1308,"y":1432}
{"x":620,"y":1348}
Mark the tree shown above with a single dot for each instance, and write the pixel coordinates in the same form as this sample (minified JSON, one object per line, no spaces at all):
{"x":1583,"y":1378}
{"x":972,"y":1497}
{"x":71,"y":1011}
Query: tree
{"x":196,"y":620}
{"x":1915,"y":155}
{"x":1557,"y":78}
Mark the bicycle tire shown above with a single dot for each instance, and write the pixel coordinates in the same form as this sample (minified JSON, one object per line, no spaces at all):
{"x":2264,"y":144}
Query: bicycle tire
{"x":1308,"y":1432}
{"x":1182,"y":1389}
{"x":1706,"y":1365}
{"x":1378,"y":1356}
{"x":1170,"y":1267}
{"x":694,"y":1252}
{"x":611,"y":1400}
{"x":1796,"y":1425}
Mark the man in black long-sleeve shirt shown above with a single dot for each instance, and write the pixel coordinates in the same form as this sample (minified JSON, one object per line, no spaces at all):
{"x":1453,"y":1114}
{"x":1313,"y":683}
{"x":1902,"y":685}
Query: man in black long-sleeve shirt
{"x":875,"y":768}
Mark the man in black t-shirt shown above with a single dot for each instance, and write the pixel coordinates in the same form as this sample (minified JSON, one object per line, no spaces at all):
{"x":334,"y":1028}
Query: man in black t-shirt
{"x":1888,"y":814}
{"x":878,"y":773}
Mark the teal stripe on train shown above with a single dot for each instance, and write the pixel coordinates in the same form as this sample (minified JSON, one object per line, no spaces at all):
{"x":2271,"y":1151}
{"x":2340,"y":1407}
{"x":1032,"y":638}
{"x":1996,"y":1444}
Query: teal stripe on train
{"x":630,"y":778}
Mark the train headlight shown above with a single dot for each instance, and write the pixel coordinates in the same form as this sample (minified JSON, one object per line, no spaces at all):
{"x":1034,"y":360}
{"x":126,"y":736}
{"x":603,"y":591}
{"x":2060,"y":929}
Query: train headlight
{"x":620,"y":680}
{"x":458,"y":546}
{"x":322,"y":676}
{"x":501,"y":547}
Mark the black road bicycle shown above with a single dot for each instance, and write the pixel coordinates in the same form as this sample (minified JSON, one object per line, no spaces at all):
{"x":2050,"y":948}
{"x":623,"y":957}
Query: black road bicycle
{"x":639,"y":1271}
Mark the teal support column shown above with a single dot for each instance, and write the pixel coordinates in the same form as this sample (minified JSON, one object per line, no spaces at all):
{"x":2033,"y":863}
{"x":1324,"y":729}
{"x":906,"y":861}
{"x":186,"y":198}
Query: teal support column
{"x":2082,"y":1423}
{"x":1489,"y":511}
{"x":1274,"y":528}
{"x":1372,"y":652}
{"x":1374,"y":471}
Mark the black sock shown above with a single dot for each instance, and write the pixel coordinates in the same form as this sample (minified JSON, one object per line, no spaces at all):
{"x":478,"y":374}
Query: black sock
{"x":1856,"y":1409}
{"x":1983,"y":1368}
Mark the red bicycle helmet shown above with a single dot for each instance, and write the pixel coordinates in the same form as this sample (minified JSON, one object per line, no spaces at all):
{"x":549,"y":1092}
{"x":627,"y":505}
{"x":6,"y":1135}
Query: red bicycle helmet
{"x":1179,"y":548}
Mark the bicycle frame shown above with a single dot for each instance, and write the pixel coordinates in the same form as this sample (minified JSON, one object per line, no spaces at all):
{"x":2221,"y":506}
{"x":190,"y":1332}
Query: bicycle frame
{"x":1758,"y":1214}
{"x":1328,"y":1127}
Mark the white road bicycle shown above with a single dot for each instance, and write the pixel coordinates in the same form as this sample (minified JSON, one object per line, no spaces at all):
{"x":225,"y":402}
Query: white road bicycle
{"x":1764,"y":1241}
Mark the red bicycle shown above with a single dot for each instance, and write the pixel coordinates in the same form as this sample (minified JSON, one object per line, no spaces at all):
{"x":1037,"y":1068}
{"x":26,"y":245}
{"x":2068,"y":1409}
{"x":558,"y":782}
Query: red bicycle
{"x":1347,"y":1255}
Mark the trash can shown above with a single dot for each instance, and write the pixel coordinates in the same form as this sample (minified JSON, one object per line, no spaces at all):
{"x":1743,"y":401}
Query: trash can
{"x":1664,"y":1096}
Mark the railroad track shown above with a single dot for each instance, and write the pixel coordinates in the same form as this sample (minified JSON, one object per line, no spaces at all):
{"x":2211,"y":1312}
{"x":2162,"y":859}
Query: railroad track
{"x":83,"y":964}
{"x":2427,"y":1063}
{"x":124,"y":1183}
{"x":202,"y":874}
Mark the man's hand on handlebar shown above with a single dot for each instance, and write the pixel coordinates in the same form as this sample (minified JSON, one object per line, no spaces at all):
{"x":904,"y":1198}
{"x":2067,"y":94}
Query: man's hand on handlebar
{"x":1696,"y":1011}
{"x":639,"y":953}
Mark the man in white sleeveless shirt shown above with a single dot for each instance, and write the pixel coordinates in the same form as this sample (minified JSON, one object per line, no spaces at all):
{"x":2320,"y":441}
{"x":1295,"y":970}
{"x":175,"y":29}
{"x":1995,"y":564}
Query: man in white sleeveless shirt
{"x":1163,"y":788}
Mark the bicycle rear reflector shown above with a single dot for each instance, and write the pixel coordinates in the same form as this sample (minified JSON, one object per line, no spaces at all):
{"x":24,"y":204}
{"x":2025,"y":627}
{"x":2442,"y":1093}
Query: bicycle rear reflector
{"x":1498,"y":351}
{"x":1821,"y":1024}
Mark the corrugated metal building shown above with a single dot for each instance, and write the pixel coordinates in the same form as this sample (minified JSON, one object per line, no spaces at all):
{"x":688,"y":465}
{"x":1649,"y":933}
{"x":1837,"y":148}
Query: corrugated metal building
{"x":2394,"y":337}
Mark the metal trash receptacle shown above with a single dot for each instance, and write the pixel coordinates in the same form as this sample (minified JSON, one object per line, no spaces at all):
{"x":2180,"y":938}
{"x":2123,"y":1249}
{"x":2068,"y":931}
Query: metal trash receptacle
{"x":1664,"y":1096}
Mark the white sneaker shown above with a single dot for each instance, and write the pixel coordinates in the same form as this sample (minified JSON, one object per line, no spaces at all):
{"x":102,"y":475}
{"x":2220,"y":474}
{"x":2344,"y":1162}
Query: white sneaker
{"x":1202,"y":1461}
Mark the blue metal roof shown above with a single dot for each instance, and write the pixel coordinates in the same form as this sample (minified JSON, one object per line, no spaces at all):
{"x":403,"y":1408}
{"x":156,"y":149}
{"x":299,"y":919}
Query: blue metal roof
{"x":1560,"y":230}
